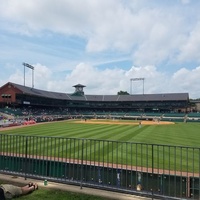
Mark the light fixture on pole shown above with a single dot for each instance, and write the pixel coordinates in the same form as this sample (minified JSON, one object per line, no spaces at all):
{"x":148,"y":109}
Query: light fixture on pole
{"x":136,"y":79}
{"x":30,"y":67}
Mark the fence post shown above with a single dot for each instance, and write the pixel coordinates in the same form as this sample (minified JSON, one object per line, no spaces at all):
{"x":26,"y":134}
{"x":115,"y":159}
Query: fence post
{"x":82,"y":163}
{"x":26,"y":156}
{"x":152,"y":155}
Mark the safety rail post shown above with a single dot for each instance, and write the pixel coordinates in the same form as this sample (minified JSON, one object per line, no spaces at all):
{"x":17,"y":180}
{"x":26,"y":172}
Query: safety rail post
{"x":26,"y":157}
{"x":82,"y":149}
{"x":152,"y":155}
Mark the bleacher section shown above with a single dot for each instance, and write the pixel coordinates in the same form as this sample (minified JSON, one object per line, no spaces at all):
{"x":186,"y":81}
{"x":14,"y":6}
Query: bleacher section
{"x":50,"y":114}
{"x":11,"y":112}
{"x":192,"y":114}
{"x":174,"y":117}
{"x":193,"y":117}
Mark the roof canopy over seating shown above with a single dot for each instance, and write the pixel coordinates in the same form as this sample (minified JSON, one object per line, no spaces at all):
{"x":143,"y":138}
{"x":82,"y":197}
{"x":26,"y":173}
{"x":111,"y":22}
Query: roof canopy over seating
{"x":104,"y":98}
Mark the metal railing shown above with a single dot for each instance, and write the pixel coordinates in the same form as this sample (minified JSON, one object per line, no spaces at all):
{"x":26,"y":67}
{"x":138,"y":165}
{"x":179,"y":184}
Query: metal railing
{"x":154,"y":170}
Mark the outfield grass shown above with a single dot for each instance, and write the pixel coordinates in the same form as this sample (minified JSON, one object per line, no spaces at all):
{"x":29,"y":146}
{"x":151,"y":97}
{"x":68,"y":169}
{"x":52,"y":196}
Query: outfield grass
{"x":184,"y":134}
{"x":121,"y":151}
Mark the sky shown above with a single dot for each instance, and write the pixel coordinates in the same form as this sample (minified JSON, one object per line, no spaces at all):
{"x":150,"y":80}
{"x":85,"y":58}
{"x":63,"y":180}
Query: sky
{"x":102,"y":44}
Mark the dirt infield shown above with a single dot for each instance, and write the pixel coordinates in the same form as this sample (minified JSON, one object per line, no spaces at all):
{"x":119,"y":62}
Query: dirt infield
{"x":134,"y":122}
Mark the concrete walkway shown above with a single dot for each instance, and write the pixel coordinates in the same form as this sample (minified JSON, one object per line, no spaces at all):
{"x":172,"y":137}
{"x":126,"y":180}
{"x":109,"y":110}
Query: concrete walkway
{"x":76,"y":189}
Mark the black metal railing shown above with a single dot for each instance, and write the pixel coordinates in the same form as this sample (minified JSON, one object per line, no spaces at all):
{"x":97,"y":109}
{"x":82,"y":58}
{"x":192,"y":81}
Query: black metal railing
{"x":154,"y":170}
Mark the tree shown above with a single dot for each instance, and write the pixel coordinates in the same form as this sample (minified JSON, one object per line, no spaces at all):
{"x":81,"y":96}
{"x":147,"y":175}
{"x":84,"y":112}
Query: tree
{"x":123,"y":93}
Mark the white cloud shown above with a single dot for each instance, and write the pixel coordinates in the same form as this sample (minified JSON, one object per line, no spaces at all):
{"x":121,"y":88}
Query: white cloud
{"x":17,"y":77}
{"x":188,"y":81}
{"x":96,"y":81}
{"x":185,"y":1}
{"x":42,"y":76}
{"x":189,"y":50}
{"x":39,"y":78}
{"x":111,"y":81}
{"x":151,"y":33}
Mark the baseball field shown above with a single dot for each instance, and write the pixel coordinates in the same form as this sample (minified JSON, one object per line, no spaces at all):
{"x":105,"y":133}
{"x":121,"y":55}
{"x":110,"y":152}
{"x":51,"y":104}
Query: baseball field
{"x":124,"y":132}
{"x":183,"y":134}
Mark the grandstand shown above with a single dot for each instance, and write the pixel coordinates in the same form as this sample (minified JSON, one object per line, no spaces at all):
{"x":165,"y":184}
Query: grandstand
{"x":22,"y":99}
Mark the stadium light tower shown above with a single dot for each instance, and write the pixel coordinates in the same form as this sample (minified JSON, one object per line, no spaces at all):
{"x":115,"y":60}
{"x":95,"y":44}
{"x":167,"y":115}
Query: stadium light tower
{"x":30,"y":67}
{"x":136,"y":79}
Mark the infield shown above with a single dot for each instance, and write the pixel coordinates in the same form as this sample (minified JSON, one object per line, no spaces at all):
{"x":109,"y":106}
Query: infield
{"x":124,"y":122}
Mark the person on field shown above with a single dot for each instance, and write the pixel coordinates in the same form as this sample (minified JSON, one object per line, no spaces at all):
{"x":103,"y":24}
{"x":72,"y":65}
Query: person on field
{"x":8,"y":191}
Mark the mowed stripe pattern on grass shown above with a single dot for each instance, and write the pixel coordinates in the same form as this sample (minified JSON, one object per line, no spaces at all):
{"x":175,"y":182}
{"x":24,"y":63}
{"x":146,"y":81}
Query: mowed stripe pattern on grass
{"x":109,"y":150}
{"x":186,"y":134}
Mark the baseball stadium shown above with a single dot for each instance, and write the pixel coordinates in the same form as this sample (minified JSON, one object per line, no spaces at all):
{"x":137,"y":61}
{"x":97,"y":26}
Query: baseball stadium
{"x":140,"y":144}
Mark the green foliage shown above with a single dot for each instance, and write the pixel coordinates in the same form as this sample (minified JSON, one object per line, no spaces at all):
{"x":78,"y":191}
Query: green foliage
{"x":122,"y":92}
